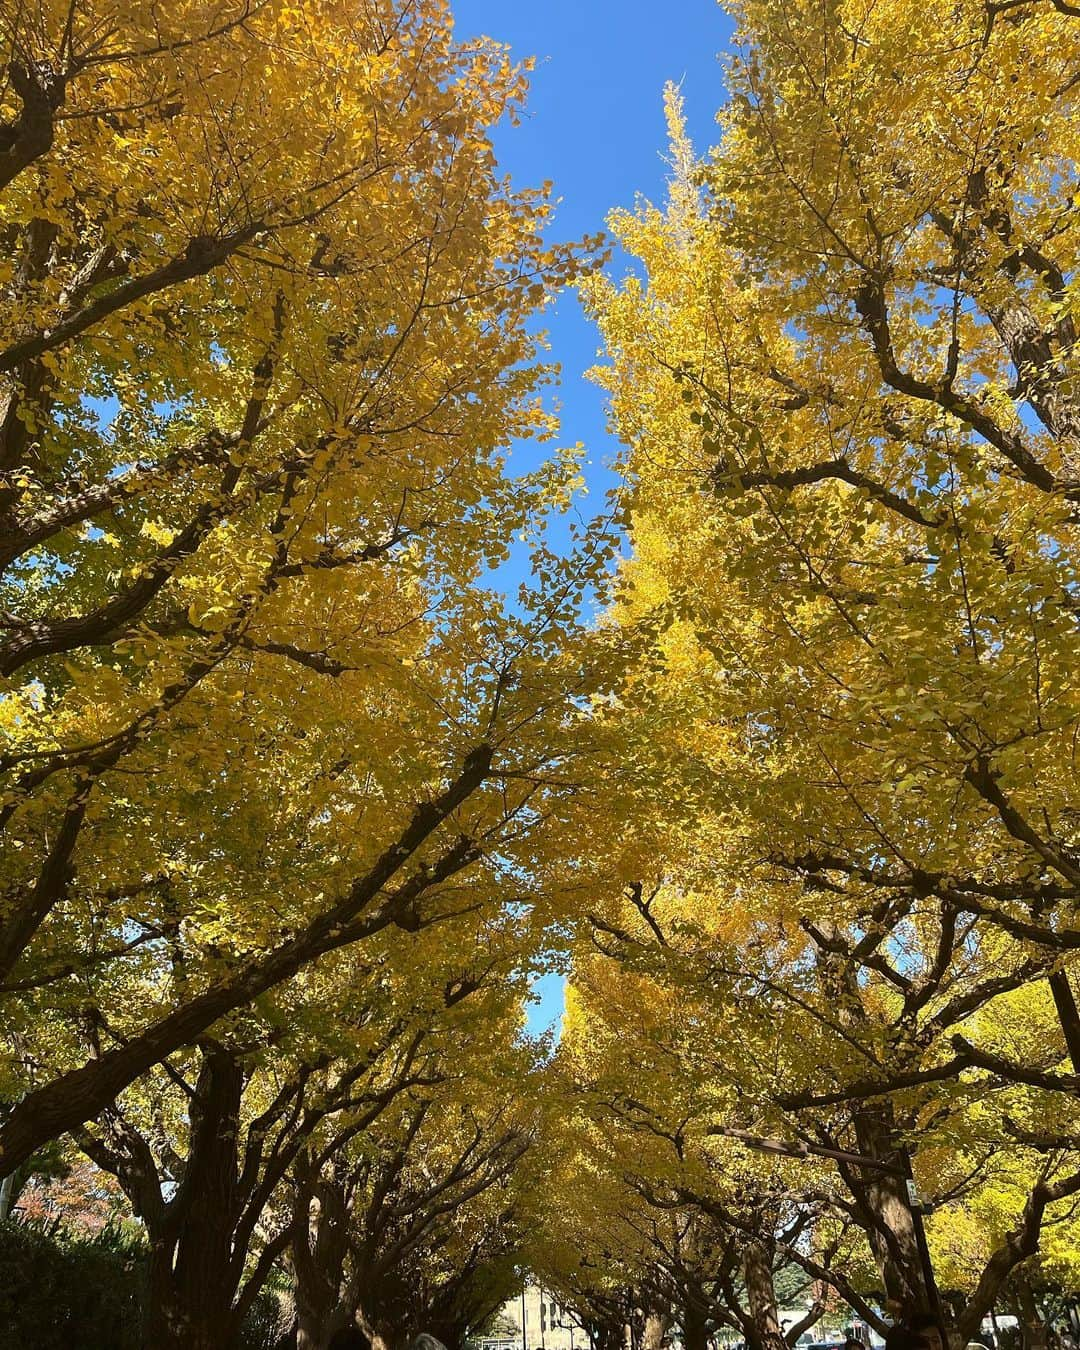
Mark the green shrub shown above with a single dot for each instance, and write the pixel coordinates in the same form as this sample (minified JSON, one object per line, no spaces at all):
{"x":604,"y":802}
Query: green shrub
{"x":60,"y":1292}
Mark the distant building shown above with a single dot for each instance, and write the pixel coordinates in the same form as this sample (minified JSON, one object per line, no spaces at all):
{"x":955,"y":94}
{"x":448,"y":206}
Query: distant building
{"x":547,"y":1325}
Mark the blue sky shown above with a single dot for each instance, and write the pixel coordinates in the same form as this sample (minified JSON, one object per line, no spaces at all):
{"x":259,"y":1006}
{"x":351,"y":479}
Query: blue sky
{"x":595,"y":126}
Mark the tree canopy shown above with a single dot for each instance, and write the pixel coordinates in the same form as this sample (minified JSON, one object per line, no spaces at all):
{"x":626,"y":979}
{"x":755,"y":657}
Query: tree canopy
{"x":775,"y":761}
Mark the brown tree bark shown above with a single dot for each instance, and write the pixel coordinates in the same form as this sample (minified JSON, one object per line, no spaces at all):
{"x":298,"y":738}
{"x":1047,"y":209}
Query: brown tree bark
{"x":1068,"y":1015}
{"x":193,"y":1277}
{"x":318,"y":1250}
{"x":177,"y":1320}
{"x":383,"y":1335}
{"x":761,"y":1297}
{"x":881,"y":1196}
{"x":200,"y":1209}
{"x":694,"y":1329}
{"x":891,"y":1234}
{"x":609,"y":1334}
{"x":1034,"y":1329}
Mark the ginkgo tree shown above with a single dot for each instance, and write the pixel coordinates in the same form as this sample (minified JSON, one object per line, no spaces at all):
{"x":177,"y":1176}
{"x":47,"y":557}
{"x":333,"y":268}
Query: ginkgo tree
{"x":844,"y":372}
{"x":205,"y":1148}
{"x":661,"y":1192}
{"x":751,"y":1059}
{"x":407,"y":1220}
{"x":287,"y":795}
{"x":264,"y":350}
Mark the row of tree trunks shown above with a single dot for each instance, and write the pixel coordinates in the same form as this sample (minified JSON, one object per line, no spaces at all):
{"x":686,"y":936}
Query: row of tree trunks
{"x":759,"y":1320}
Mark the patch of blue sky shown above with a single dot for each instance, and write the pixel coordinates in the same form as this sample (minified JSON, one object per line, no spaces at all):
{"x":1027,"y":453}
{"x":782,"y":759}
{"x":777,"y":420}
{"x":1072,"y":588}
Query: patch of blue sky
{"x":103,"y":411}
{"x":547,"y":1004}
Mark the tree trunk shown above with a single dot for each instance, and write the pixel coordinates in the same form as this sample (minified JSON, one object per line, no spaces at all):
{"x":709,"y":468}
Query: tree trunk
{"x":186,"y":1331}
{"x":7,"y":1196}
{"x":175,"y":1321}
{"x":892,"y":1235}
{"x":609,"y":1335}
{"x":1068,"y":1015}
{"x":452,"y":1334}
{"x":318,"y":1249}
{"x":761,"y":1297}
{"x":880,"y":1196}
{"x":193,"y":1274}
{"x":380,"y":1314}
{"x":1036,"y":1335}
{"x":383,"y":1338}
{"x":694,"y":1329}
{"x":317,"y":1327}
